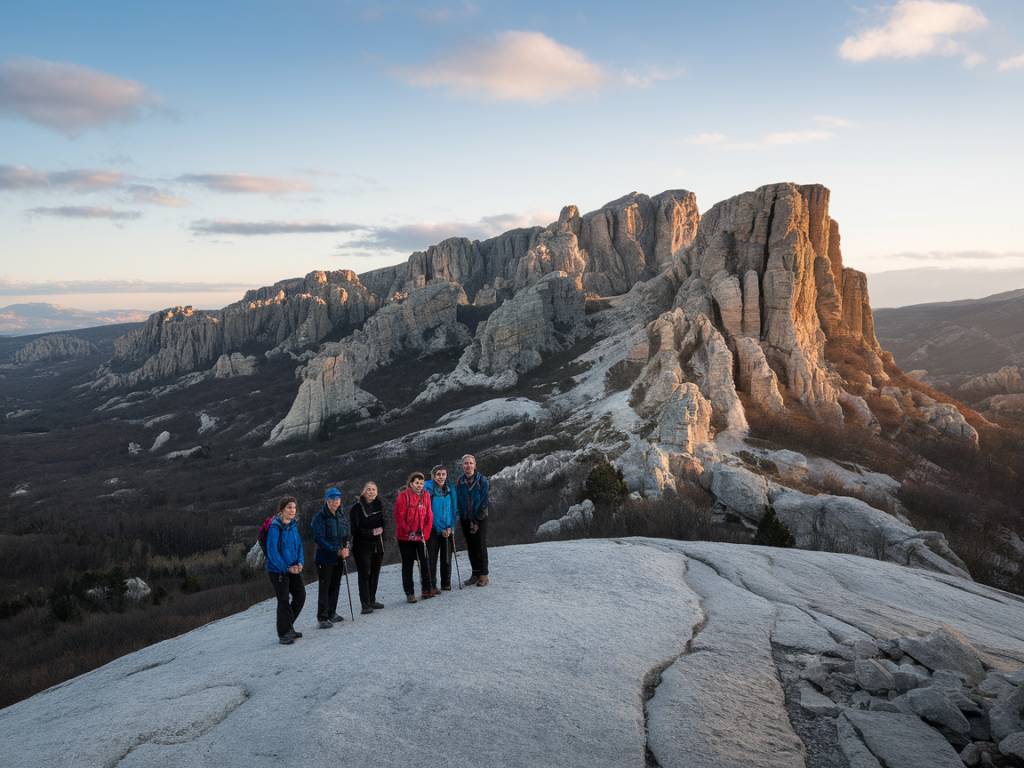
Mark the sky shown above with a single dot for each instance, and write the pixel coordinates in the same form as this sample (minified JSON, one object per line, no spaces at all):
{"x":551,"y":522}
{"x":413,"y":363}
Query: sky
{"x":159,"y":154}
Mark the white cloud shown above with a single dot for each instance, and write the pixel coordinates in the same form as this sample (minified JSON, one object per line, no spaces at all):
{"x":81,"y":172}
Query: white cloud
{"x":243,"y":183}
{"x":777,"y":138}
{"x":917,"y":28}
{"x":1014,"y":62}
{"x":67,"y":97}
{"x":514,"y":66}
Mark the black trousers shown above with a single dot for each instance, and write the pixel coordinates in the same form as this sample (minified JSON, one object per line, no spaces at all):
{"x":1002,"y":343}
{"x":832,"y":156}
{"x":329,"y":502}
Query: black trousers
{"x":329,"y":578}
{"x":476,"y":546}
{"x":413,"y":551}
{"x":288,"y":585}
{"x":368,"y":557}
{"x":440,"y":549}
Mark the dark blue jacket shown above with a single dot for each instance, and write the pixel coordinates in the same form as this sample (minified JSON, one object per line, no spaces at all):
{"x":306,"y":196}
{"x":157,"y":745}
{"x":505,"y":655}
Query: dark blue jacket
{"x":331,"y":533}
{"x":442,"y":504}
{"x":472,"y":498}
{"x":284,"y":546}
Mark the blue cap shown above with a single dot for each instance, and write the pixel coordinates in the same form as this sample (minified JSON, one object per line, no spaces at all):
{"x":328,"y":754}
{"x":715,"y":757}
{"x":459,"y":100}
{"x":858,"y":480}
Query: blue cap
{"x":332,"y":493}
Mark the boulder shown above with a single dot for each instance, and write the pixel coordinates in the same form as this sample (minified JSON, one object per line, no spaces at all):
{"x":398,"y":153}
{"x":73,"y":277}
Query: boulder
{"x":161,"y":440}
{"x":228,"y":366}
{"x":872,"y":676}
{"x":575,"y":521}
{"x":1007,"y":715}
{"x":946,"y":649}
{"x":816,"y":704}
{"x":1013,"y":745}
{"x":933,"y":705}
{"x":894,"y":741}
{"x":136,"y":589}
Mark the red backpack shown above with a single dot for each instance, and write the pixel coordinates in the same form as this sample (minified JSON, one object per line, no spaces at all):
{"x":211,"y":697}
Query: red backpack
{"x":264,"y":530}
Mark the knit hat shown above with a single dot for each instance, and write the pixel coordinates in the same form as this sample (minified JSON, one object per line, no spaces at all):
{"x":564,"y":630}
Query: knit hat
{"x":332,"y":493}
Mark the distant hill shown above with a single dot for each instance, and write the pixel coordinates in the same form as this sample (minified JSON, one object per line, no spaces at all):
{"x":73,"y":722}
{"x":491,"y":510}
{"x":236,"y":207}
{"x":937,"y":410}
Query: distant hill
{"x":40,"y":317}
{"x":956,"y":338}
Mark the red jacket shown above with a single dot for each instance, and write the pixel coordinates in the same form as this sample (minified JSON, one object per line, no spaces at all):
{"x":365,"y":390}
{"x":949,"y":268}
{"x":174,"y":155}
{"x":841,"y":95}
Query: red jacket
{"x":412,"y":514}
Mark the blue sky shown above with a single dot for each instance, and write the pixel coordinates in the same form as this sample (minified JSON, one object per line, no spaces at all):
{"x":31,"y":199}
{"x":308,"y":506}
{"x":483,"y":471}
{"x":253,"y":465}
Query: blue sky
{"x":192,"y":148}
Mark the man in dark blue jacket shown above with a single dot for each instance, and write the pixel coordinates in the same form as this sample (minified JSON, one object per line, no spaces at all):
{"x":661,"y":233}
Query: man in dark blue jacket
{"x":331,"y":532}
{"x":472,"y":501}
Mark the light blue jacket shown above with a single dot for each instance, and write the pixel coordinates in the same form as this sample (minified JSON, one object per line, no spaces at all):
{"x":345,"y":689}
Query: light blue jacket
{"x":442,"y":505}
{"x":284,"y":546}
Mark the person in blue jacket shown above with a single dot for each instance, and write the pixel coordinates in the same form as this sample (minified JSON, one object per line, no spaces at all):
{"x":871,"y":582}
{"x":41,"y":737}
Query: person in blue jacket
{"x":284,"y":566}
{"x":472,"y":498}
{"x":440,"y":543}
{"x":331,"y":532}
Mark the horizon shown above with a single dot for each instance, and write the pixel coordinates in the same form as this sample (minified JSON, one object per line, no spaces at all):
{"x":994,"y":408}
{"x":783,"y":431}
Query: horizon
{"x":372,"y":131}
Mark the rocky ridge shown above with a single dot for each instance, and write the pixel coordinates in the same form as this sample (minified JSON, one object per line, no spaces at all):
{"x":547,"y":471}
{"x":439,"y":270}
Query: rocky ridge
{"x":52,"y":348}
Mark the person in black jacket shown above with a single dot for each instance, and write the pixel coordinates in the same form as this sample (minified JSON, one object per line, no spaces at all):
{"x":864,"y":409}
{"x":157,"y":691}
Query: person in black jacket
{"x":366,"y":523}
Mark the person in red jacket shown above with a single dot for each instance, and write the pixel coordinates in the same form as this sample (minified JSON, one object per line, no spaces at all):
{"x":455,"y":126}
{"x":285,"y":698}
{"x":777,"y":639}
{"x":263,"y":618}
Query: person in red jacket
{"x":413,"y":521}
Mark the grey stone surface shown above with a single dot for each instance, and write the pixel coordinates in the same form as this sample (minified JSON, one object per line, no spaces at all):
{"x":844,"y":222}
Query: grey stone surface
{"x":872,"y":676}
{"x":932,"y":705}
{"x":946,"y":649}
{"x":902,"y":741}
{"x":1013,"y":745}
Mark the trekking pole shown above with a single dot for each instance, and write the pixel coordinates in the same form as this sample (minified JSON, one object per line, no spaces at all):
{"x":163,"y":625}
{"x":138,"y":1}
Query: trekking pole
{"x":455,"y":551}
{"x":426,"y":563}
{"x":348,"y":588}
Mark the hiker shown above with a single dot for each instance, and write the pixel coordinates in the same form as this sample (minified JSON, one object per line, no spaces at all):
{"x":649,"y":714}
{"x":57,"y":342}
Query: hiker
{"x":413,"y":521}
{"x":439,"y":545}
{"x":472,"y":501}
{"x":284,"y":566}
{"x":331,"y":532}
{"x":366,"y":522}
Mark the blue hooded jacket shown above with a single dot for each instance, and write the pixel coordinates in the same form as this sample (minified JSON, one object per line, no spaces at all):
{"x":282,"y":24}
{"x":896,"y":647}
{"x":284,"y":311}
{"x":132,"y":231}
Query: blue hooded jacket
{"x":472,"y":498}
{"x":442,"y":505}
{"x":284,"y":546}
{"x":331,"y":533}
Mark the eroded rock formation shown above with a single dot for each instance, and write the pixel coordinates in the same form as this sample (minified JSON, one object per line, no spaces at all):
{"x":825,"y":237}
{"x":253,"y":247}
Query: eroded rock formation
{"x":58,"y":346}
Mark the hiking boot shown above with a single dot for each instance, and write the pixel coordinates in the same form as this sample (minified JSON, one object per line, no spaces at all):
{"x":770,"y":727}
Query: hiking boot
{"x":426,"y":595}
{"x":286,"y":639}
{"x":410,"y":598}
{"x":483,"y":581}
{"x":435,"y":592}
{"x":376,"y":606}
{"x":336,"y":618}
{"x":446,"y":587}
{"x":471,"y":580}
{"x":296,"y":635}
{"x":367,"y":609}
{"x":324,"y":624}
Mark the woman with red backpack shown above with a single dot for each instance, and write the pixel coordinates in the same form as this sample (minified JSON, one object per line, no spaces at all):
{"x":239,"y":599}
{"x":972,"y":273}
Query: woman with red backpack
{"x":413,"y":521}
{"x":284,"y":567}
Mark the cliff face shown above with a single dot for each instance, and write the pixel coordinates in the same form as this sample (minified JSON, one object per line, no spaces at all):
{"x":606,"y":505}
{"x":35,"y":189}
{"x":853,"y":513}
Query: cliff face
{"x":54,"y":348}
{"x":627,"y":240}
{"x":287,"y":317}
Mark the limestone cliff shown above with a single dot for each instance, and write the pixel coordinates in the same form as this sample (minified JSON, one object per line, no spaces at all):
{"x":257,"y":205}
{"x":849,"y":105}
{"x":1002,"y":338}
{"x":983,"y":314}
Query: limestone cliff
{"x":287,"y":317}
{"x":52,"y":348}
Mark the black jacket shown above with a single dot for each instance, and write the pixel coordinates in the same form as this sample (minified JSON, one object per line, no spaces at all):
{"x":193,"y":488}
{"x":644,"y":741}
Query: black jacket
{"x":364,"y":517}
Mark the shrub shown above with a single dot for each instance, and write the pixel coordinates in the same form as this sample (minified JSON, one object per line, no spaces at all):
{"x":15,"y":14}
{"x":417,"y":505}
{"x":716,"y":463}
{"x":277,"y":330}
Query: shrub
{"x":772,"y":532}
{"x":605,"y":487}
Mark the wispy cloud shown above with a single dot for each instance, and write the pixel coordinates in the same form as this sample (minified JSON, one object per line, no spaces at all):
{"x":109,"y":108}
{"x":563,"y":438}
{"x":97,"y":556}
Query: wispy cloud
{"x":67,"y":97}
{"x":646,"y":78}
{"x":1014,"y":62}
{"x":513,"y":66}
{"x":147,"y":195}
{"x":915,"y":28}
{"x":257,"y":228}
{"x":834,"y":121}
{"x":952,"y":257}
{"x":774,"y":139}
{"x":21,"y":288}
{"x":20,"y":177}
{"x":405,"y":238}
{"x":243,"y":183}
{"x":85,"y":212}
{"x":797,"y":137}
{"x":442,"y":14}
